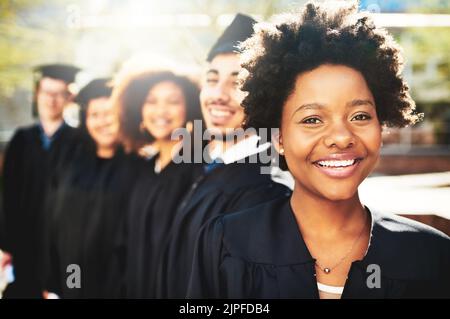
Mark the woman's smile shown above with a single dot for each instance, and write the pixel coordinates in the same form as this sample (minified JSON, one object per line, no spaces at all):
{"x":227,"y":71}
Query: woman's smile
{"x":340,"y":165}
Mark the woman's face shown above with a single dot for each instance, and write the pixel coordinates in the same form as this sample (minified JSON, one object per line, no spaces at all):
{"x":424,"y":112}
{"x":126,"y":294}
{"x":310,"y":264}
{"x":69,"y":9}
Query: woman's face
{"x":330,"y":132}
{"x":164,"y":110}
{"x":102,"y":122}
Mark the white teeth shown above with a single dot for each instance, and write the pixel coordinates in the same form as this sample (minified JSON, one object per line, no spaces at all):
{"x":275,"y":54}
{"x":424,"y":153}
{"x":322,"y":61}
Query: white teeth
{"x":337,"y":163}
{"x":160,"y":122}
{"x":219,"y":113}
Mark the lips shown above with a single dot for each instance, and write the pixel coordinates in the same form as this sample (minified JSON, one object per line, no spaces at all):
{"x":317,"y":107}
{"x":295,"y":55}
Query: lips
{"x":338,"y":165}
{"x":108,"y":131}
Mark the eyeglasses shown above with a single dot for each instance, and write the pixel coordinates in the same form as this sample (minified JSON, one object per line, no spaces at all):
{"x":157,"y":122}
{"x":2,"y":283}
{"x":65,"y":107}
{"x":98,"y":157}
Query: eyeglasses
{"x":54,"y":95}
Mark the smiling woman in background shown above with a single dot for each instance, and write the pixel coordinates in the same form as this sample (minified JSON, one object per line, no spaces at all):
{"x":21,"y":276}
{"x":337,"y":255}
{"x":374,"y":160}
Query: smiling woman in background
{"x":152,"y":106}
{"x":87,"y":201}
{"x":329,"y":79}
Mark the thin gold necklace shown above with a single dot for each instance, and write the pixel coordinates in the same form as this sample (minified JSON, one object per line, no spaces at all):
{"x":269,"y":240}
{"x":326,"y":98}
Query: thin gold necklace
{"x":328,"y":270}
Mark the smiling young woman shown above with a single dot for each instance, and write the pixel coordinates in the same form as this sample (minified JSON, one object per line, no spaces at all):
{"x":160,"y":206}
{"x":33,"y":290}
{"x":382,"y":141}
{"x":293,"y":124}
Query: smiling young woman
{"x":329,"y":79}
{"x":152,"y":106}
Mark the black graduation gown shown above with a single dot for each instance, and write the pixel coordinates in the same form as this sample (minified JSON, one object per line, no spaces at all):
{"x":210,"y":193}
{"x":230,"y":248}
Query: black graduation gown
{"x":260,"y":253}
{"x":87,"y":207}
{"x":27,"y":168}
{"x":225,"y":189}
{"x":150,"y":216}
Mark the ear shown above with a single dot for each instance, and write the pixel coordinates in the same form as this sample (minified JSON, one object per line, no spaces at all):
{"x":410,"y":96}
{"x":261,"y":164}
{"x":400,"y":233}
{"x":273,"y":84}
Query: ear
{"x":277,"y":141}
{"x":189,"y":127}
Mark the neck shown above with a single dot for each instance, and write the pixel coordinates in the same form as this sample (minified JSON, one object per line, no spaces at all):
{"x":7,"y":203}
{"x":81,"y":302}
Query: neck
{"x":318,"y":216}
{"x":105,"y":152}
{"x":165,"y":148}
{"x":51,"y":125}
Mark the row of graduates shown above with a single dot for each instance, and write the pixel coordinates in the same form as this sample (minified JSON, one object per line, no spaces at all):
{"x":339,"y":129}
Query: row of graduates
{"x":108,"y":196}
{"x":139,"y":225}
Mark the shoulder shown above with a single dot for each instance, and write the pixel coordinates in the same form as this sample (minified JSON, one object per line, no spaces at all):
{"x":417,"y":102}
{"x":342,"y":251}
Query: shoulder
{"x":407,"y":232}
{"x":22,"y":135}
{"x":25,"y":131}
{"x":265,"y":213}
{"x":73,"y":132}
{"x":264,"y":229}
{"x":407,"y":248}
{"x":248,"y":177}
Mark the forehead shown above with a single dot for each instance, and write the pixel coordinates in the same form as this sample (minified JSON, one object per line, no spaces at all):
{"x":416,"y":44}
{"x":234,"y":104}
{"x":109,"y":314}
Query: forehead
{"x":331,"y":83}
{"x":52,"y":84}
{"x":102,"y":103}
{"x":224,"y":64}
{"x":165,"y":87}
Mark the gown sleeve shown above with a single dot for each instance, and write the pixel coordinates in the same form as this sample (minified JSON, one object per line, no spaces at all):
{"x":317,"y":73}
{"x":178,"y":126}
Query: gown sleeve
{"x":205,"y":279}
{"x":50,"y":266}
{"x":11,"y":189}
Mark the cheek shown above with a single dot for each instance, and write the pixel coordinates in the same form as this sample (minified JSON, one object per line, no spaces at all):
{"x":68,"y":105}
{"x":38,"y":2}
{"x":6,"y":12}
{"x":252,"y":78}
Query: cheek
{"x":204,"y":94}
{"x":91,"y":125}
{"x":237,"y":97}
{"x":240,"y":114}
{"x":146,"y":113}
{"x":297,"y":144}
{"x":371,"y":138}
{"x":178,"y":114}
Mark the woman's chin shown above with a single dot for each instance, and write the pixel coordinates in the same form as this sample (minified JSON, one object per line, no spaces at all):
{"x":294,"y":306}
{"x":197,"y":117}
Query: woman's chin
{"x":339,"y":194}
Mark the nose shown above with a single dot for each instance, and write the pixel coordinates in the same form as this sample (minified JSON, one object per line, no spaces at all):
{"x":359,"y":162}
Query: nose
{"x":161,"y":109}
{"x":107,"y":119}
{"x":220,"y":92}
{"x":340,"y":136}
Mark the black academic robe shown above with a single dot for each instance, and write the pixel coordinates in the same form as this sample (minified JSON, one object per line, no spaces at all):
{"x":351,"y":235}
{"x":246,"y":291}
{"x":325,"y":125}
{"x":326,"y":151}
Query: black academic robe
{"x":150,"y":216}
{"x":260,"y":253}
{"x":87,"y":208}
{"x":226,"y":188}
{"x":27,"y":168}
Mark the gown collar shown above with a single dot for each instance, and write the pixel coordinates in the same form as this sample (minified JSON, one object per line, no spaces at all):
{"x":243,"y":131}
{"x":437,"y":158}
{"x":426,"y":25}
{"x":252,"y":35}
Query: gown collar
{"x":48,"y":140}
{"x":242,"y":149}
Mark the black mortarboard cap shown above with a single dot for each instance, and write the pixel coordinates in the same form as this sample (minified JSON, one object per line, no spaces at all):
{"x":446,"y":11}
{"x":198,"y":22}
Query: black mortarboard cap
{"x":64,"y":72}
{"x":94,"y":89}
{"x":240,"y":29}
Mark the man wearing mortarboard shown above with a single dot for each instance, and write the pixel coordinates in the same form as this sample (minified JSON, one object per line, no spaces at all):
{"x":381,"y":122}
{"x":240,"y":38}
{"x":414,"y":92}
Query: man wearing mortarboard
{"x":30,"y":157}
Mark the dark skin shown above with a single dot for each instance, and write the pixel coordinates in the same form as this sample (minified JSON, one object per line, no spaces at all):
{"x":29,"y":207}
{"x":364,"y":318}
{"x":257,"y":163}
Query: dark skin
{"x":331,"y":138}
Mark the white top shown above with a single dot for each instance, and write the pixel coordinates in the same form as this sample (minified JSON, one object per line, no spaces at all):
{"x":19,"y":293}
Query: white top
{"x":330,"y":289}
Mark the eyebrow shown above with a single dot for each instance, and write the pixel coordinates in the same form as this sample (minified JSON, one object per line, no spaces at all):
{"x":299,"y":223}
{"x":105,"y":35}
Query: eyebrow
{"x":318,"y":106}
{"x":359,"y":102}
{"x":216,"y":72}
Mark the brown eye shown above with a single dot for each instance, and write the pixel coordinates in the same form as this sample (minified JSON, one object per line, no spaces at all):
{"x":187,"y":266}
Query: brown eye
{"x":312,"y":120}
{"x":211,"y":81}
{"x":361,"y":117}
{"x":172,"y":102}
